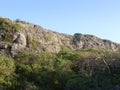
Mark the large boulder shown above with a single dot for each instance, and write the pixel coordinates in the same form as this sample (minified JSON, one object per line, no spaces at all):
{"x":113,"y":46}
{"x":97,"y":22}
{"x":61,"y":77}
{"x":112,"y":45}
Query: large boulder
{"x":18,"y":44}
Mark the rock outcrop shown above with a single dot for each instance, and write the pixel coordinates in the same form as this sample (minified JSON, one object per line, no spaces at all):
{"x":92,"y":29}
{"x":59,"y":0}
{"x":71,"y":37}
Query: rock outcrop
{"x":90,"y":41}
{"x":26,"y":36}
{"x":19,"y":44}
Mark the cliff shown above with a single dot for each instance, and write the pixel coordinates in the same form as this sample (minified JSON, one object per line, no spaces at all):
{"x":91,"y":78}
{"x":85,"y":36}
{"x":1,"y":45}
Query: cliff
{"x":19,"y":35}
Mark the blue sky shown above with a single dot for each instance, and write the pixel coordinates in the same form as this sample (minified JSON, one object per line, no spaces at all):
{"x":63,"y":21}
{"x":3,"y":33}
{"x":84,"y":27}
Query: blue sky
{"x":96,"y":17}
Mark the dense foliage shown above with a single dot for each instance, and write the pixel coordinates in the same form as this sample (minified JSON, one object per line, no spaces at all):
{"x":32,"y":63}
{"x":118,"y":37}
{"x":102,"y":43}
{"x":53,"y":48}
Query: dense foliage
{"x":88,"y":69}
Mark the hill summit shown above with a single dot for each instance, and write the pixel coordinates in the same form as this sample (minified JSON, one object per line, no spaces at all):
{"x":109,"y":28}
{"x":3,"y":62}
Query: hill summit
{"x":19,"y":35}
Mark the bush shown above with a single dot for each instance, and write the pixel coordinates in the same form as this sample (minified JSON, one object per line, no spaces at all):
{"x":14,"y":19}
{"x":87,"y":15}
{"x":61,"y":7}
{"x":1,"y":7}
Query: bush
{"x":8,"y":28}
{"x":88,"y":69}
{"x":7,"y":68}
{"x":78,"y":82}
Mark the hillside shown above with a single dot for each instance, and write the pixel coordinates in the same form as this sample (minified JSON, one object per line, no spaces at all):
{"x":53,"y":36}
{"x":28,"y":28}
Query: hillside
{"x":34,"y":58}
{"x":21,"y":35}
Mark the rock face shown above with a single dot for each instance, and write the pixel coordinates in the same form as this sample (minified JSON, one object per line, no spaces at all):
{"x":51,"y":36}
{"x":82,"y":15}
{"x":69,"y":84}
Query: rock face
{"x":19,"y":44}
{"x":90,"y":41}
{"x":26,"y":36}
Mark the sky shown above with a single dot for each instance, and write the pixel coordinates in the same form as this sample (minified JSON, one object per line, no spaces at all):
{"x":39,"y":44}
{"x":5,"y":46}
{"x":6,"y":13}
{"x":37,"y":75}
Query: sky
{"x":96,"y":17}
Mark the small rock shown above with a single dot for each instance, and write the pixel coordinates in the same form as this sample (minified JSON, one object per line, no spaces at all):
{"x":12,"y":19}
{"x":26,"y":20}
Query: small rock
{"x":3,"y":46}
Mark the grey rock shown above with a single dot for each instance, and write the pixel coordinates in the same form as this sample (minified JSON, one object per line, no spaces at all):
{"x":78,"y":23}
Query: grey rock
{"x":3,"y":46}
{"x":35,"y":38}
{"x":18,"y":44}
{"x":90,"y":41}
{"x":39,"y":39}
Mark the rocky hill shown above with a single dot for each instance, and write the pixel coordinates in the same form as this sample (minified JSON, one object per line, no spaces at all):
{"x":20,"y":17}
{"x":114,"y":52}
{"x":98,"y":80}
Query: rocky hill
{"x":17,"y":36}
{"x":80,"y":62}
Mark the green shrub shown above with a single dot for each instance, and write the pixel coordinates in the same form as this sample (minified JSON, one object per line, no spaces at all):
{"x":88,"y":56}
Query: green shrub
{"x":16,"y":26}
{"x":78,"y":82}
{"x":8,"y":28}
{"x":85,"y":69}
{"x":7,"y":68}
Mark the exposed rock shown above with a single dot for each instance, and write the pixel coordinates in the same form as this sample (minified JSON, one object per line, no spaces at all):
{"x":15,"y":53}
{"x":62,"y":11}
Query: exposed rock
{"x":40,"y":39}
{"x":90,"y":41}
{"x":3,"y":46}
{"x":18,"y":44}
{"x":35,"y":38}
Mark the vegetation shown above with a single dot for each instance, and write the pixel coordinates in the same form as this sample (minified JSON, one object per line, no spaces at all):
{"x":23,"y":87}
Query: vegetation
{"x":88,"y":69}
{"x":7,"y":28}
